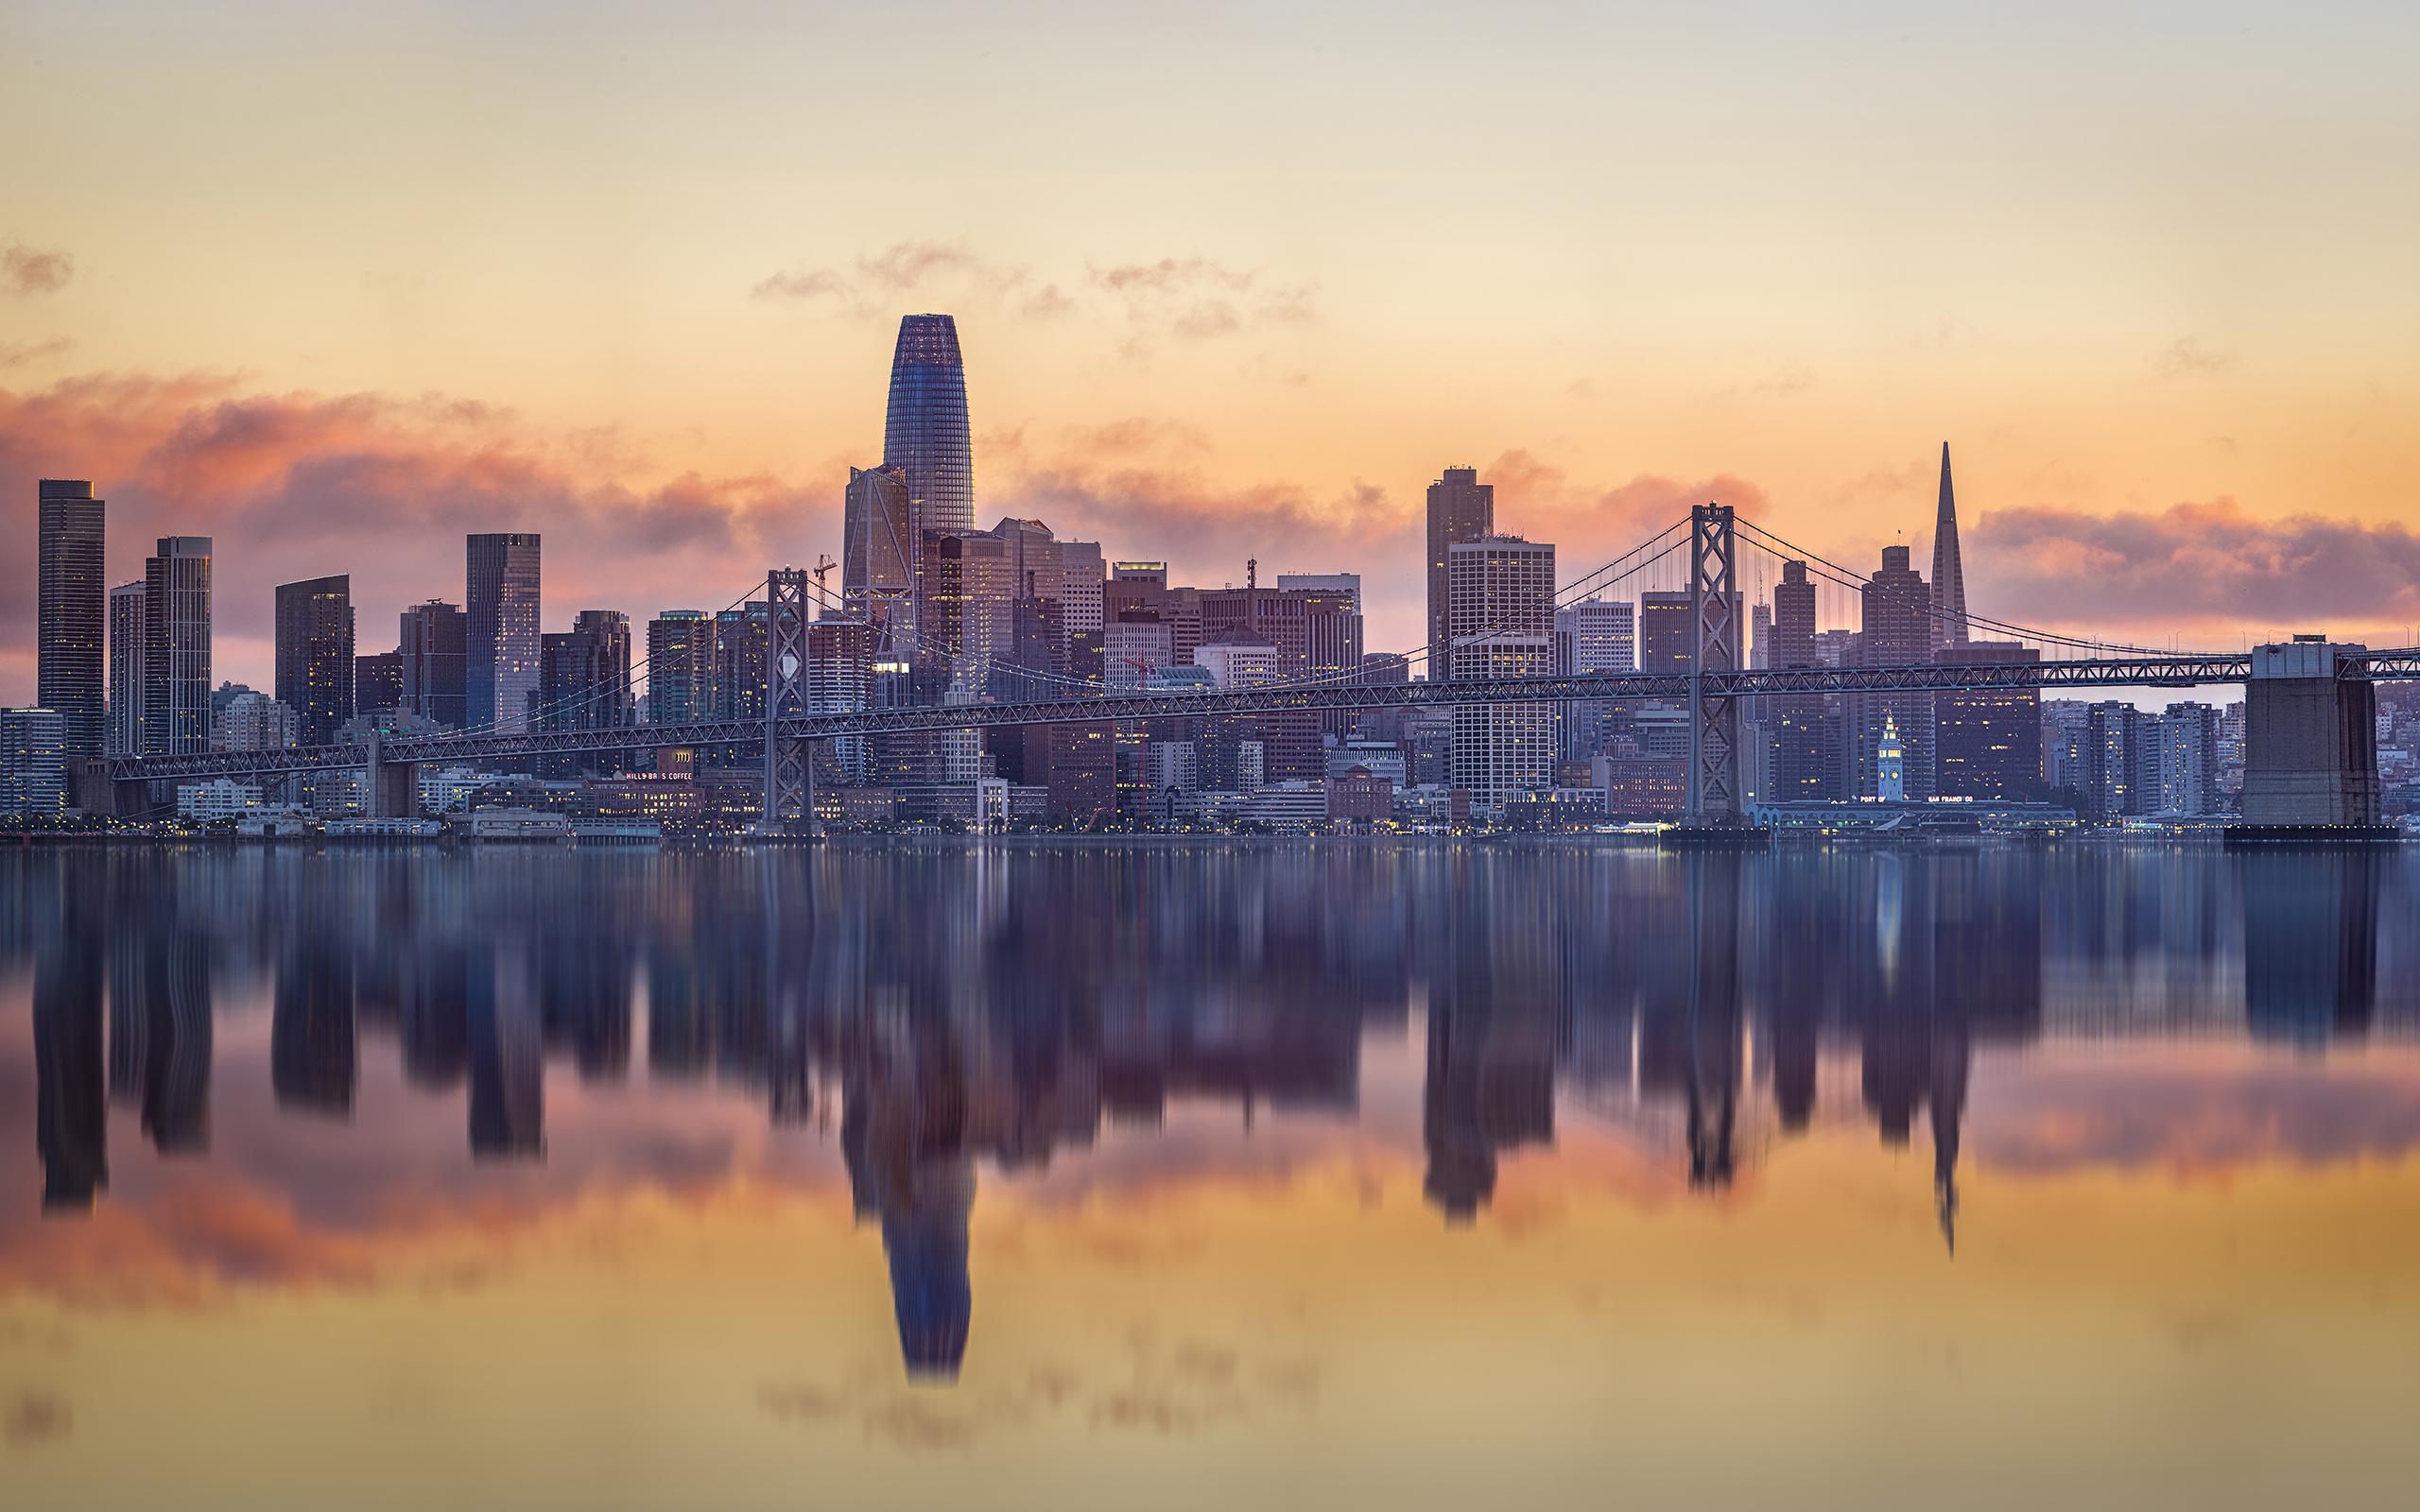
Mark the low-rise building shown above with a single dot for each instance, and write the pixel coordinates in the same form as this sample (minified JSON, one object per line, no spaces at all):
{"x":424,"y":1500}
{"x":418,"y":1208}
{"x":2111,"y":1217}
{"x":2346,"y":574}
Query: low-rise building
{"x":220,"y":799}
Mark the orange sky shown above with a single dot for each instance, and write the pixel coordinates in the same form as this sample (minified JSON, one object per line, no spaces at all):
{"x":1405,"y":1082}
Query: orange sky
{"x":334,"y":290}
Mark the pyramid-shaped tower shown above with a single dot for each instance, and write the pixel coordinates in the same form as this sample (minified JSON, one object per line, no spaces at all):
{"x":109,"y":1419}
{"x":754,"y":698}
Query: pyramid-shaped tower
{"x":1949,"y":576}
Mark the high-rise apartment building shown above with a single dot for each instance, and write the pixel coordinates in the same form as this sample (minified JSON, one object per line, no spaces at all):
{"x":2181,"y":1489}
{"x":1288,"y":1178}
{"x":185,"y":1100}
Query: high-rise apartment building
{"x":315,"y":654}
{"x":584,"y":681}
{"x":681,"y":666}
{"x":2189,"y":759}
{"x":1500,"y":592}
{"x":126,"y":670}
{"x":1461,"y":510}
{"x":255,"y":721}
{"x":176,"y":647}
{"x":70,"y":598}
{"x":378,"y":682}
{"x":500,"y":631}
{"x":434,"y":646}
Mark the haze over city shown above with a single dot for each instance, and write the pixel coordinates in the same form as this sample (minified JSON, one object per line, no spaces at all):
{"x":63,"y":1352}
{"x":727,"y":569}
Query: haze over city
{"x":336,"y":290}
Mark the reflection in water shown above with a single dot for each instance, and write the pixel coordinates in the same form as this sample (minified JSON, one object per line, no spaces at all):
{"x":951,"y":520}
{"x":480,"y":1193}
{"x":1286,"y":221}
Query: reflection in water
{"x":1005,"y":1003}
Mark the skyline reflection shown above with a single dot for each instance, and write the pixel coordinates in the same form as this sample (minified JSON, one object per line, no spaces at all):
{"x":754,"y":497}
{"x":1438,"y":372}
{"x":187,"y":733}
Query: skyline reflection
{"x":951,"y":1006}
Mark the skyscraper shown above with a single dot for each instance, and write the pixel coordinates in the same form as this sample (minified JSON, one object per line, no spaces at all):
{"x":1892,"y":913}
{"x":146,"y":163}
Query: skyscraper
{"x":1793,"y":639}
{"x":72,"y":597}
{"x":584,"y":674}
{"x":924,"y":434}
{"x":500,"y":666}
{"x":315,"y":654}
{"x":878,"y":548}
{"x":433,"y":639}
{"x":1987,"y":742}
{"x":1502,"y":594}
{"x":176,"y":647}
{"x":1948,"y":574}
{"x":378,"y":682}
{"x":126,"y":669}
{"x":680,"y":666}
{"x":1461,"y":508}
{"x":33,"y":765}
{"x":1897,"y":631}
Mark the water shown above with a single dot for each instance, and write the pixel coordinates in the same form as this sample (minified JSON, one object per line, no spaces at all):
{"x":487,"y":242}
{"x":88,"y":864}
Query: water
{"x":1213,"y":1175}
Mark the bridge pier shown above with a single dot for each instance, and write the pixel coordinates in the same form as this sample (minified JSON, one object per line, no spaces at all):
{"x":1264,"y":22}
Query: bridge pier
{"x":393,"y":787}
{"x":2310,"y":747}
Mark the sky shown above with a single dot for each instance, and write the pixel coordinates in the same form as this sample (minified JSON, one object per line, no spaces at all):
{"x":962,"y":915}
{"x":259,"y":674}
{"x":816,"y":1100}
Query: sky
{"x":1234,"y":281}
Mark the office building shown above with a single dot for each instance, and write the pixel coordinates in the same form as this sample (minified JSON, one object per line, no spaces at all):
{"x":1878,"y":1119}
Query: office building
{"x":435,"y":643}
{"x":1897,"y":631}
{"x":1987,"y":742}
{"x":1461,"y":510}
{"x":1082,"y":572}
{"x":680,"y":666}
{"x":878,"y":548}
{"x":176,"y":647}
{"x":1667,"y":635}
{"x":2120,"y":773}
{"x":500,"y":672}
{"x":966,"y":620}
{"x":926,"y":437}
{"x":1500,"y":591}
{"x":70,"y":607}
{"x":1794,"y":620}
{"x":126,"y":670}
{"x":1948,"y":571}
{"x":315,"y":654}
{"x":33,"y":763}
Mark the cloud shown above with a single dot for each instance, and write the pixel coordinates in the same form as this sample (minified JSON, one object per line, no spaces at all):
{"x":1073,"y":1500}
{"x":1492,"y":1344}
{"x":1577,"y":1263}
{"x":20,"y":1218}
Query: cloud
{"x":2185,"y":357}
{"x":24,"y":271}
{"x":297,"y":484}
{"x":2208,"y":563}
{"x":1199,"y":298}
{"x":817,"y":284}
{"x":869,"y":285}
{"x":17,"y":353}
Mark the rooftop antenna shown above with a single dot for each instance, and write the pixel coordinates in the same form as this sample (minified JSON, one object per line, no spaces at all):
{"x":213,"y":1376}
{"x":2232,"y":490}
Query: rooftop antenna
{"x":1252,"y":572}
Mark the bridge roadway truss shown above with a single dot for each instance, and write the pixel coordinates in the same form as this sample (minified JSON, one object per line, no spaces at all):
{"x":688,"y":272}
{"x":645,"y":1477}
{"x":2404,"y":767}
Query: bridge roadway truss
{"x":2181,"y":671}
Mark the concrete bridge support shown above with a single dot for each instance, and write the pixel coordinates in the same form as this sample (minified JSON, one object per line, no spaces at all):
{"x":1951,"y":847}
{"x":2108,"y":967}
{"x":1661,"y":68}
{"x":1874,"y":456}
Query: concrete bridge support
{"x":2310,"y":745}
{"x":393,"y":787}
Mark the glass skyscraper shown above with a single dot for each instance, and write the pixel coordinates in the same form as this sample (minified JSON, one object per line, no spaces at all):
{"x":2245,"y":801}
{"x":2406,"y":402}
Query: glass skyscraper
{"x":176,"y":647}
{"x":500,"y":622}
{"x":926,"y":434}
{"x":72,"y":595}
{"x":315,"y":654}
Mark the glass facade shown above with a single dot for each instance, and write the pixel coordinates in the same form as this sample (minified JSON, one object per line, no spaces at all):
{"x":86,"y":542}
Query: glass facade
{"x":500,"y":666}
{"x":315,"y":654}
{"x":176,"y":647}
{"x":73,"y":595}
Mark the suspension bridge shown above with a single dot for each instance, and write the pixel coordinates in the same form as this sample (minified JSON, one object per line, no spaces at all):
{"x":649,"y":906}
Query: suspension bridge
{"x":2310,"y":736}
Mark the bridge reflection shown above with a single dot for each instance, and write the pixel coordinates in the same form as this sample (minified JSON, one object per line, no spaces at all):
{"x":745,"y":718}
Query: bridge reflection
{"x":1010,"y":1004}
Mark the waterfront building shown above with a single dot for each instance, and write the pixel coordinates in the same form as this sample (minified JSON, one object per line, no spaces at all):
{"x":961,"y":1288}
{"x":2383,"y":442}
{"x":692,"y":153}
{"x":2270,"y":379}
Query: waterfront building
{"x":1461,"y":510}
{"x":434,"y":647}
{"x":315,"y":654}
{"x":2189,"y":759}
{"x":1501,"y":590}
{"x":1987,"y":742}
{"x":33,"y":763}
{"x":501,"y":592}
{"x":176,"y":647}
{"x":126,"y":670}
{"x":220,"y":799}
{"x":71,"y":592}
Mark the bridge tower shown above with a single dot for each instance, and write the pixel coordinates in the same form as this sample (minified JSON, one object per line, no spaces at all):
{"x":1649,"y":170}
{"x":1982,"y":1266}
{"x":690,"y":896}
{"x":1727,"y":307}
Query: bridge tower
{"x":789,"y":769}
{"x":1714,"y":719}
